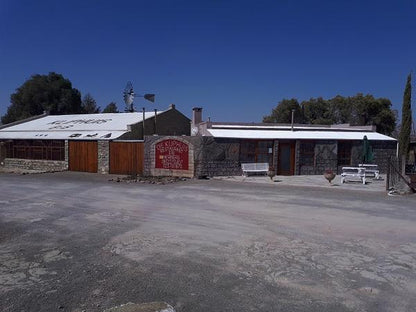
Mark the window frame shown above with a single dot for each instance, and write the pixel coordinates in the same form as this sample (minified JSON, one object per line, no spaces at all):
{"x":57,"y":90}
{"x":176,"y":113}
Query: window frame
{"x":344,"y":152}
{"x":53,"y":150}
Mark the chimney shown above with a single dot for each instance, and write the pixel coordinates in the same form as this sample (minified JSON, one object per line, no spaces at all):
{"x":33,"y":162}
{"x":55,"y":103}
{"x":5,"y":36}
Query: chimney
{"x":172,"y":106}
{"x":197,"y":115}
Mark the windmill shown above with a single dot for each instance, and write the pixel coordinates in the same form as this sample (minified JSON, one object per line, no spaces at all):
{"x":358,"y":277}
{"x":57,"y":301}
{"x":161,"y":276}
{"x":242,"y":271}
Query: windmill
{"x":129,"y":95}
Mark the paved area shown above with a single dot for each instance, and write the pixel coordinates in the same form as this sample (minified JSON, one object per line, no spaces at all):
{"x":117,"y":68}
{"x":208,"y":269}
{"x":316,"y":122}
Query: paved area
{"x":78,"y":242}
{"x":313,"y":181}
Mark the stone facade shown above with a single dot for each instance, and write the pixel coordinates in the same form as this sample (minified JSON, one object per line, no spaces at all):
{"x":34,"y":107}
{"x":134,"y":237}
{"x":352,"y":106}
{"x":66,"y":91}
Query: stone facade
{"x":207,"y":157}
{"x":35,"y":164}
{"x":31,"y":164}
{"x":150,"y":161}
{"x":382,"y":152}
{"x":103,"y":157}
{"x":217,"y":157}
{"x":325,"y":158}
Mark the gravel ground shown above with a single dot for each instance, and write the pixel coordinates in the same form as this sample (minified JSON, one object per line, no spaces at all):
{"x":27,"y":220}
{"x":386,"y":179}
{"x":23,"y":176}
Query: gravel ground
{"x":74,"y":242}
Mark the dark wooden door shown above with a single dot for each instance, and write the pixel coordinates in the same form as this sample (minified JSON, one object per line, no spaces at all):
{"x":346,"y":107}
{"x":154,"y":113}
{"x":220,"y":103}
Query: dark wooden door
{"x":126,"y":157}
{"x":286,"y":160}
{"x":83,"y":156}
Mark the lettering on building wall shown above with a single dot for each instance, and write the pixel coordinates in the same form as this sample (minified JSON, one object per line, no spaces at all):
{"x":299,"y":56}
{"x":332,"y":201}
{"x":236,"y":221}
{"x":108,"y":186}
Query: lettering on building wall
{"x":172,"y":154}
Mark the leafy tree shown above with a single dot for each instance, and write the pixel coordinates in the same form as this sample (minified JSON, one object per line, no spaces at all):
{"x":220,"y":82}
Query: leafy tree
{"x":282,"y":113}
{"x":316,"y":111}
{"x":52,"y":93}
{"x":111,"y":108}
{"x":358,"y":110}
{"x":404,"y":136}
{"x":89,"y":105}
{"x":367,"y":110}
{"x":340,"y":109}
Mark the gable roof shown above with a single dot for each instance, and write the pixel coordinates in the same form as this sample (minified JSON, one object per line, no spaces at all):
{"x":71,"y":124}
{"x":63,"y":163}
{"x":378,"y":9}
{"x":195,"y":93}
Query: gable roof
{"x":76,"y":127}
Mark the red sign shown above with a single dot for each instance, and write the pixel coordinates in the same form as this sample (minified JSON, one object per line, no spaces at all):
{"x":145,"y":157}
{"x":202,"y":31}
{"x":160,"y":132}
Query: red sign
{"x":172,"y":154}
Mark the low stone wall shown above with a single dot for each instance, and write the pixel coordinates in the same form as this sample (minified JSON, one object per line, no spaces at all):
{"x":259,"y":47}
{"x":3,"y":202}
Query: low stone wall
{"x":32,"y":164}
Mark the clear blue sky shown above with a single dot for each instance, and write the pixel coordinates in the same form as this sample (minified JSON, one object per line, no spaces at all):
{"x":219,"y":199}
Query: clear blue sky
{"x":236,"y":59}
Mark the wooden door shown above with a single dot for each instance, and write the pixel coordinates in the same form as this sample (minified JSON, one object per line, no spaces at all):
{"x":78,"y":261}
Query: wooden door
{"x":286,"y":160}
{"x":126,"y":157}
{"x":83,"y":156}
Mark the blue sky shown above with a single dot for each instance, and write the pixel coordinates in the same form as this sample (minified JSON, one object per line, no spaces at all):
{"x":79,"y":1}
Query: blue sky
{"x":236,"y":59}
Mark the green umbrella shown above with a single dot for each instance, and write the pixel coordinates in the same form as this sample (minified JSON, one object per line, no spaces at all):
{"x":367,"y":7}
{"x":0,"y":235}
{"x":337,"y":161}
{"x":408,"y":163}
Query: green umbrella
{"x":367,"y":151}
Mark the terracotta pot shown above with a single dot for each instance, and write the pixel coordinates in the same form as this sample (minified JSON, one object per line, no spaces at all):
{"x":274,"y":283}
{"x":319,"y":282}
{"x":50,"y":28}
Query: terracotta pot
{"x":329,"y":176}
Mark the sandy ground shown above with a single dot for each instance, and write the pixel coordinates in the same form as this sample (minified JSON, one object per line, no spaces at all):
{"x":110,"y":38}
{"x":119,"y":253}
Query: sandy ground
{"x":74,"y":242}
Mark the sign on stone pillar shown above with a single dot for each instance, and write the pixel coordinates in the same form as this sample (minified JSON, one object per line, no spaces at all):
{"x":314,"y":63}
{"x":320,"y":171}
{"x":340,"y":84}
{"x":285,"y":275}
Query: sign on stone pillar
{"x":172,"y":157}
{"x":172,"y":154}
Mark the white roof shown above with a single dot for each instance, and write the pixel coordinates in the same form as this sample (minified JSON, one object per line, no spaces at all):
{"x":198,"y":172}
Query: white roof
{"x":298,"y":135}
{"x":75,"y":127}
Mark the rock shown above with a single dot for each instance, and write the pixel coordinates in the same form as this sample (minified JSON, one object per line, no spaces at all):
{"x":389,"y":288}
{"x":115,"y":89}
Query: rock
{"x":143,"y":307}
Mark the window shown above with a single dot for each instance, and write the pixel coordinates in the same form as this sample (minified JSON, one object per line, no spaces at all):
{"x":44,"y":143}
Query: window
{"x":36,"y":149}
{"x":307,"y":153}
{"x":344,"y":153}
{"x":256,"y":151}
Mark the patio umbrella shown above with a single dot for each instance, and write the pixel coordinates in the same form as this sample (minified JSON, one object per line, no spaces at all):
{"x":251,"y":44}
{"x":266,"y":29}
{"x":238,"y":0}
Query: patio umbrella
{"x":367,"y":151}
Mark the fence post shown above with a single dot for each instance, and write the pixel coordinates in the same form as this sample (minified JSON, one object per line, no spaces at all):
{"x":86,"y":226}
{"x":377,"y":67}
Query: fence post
{"x":388,"y":174}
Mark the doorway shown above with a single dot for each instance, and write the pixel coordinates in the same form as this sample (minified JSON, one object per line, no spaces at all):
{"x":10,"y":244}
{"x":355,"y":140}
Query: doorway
{"x":286,"y":160}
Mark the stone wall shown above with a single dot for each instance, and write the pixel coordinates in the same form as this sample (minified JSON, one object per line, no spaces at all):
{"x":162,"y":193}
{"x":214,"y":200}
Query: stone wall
{"x":210,"y":157}
{"x":36,"y":164}
{"x":382,"y":151}
{"x":325,"y":158}
{"x":150,"y":169}
{"x":217,"y":157}
{"x":103,"y":156}
{"x":32,"y":164}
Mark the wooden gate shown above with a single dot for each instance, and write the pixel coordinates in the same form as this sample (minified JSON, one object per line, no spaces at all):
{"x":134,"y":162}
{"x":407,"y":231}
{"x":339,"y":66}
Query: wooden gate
{"x":126,"y":157}
{"x":83,"y":156}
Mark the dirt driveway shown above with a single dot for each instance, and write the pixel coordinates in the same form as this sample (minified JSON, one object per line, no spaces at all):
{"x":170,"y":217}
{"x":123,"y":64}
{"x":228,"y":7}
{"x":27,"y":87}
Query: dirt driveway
{"x":75,"y":242}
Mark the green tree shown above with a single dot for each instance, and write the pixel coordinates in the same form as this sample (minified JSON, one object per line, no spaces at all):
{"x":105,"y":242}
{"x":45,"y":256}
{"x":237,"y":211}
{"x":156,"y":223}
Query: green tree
{"x":282,"y":113}
{"x":367,"y":110}
{"x":340,"y":109}
{"x":51,"y":93}
{"x":316,"y":111}
{"x":111,"y":108}
{"x":404,"y":136}
{"x":89,"y":105}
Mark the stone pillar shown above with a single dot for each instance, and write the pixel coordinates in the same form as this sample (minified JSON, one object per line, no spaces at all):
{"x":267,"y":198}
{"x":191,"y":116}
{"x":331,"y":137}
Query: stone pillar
{"x":275,"y":155}
{"x":103,"y":156}
{"x":66,"y":150}
{"x":297,"y":157}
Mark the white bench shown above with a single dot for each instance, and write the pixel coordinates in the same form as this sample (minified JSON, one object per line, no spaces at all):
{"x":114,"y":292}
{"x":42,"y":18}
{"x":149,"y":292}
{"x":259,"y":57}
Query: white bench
{"x":371,"y":170}
{"x":254,"y":168}
{"x":349,"y":173}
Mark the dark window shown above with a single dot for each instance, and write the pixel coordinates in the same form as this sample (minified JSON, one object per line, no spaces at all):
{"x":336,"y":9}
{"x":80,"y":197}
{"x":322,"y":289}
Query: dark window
{"x":307,"y":153}
{"x":36,"y":149}
{"x":344,"y":153}
{"x":256,"y":151}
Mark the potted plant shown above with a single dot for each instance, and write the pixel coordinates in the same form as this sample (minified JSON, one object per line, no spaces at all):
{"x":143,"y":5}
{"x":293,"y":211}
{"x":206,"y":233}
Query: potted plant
{"x":271,"y":173}
{"x":329,"y":175}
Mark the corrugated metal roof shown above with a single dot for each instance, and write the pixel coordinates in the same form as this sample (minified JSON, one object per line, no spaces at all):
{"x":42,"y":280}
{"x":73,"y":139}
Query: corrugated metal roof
{"x":298,"y":135}
{"x":75,"y":127}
